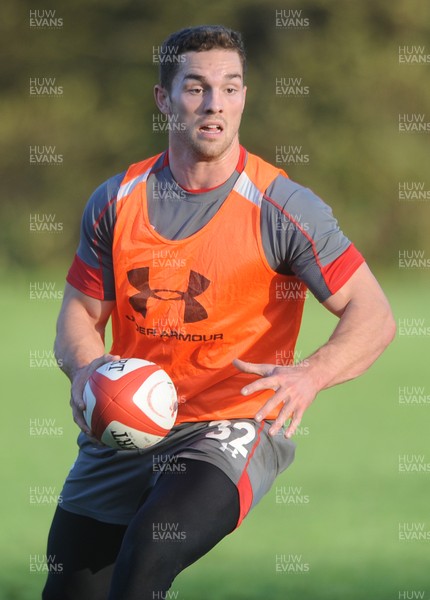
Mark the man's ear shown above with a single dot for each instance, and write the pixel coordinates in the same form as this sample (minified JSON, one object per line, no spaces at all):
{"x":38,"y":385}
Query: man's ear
{"x":162,"y":99}
{"x":245,"y":89}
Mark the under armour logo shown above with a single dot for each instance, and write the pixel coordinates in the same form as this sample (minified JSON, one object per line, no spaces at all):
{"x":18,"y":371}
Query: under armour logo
{"x":197,"y":284}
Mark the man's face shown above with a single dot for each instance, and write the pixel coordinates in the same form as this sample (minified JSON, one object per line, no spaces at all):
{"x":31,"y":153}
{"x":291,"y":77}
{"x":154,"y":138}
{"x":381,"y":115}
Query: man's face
{"x":207,"y":99}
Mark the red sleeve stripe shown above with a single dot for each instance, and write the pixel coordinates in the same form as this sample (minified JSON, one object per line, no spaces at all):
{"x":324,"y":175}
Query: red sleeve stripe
{"x":86,"y":279}
{"x":337,"y":273}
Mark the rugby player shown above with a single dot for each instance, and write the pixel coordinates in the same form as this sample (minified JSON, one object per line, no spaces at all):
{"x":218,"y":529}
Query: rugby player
{"x":201,"y":256}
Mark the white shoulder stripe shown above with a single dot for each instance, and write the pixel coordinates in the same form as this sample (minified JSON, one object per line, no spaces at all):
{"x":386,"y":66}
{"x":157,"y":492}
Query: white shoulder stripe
{"x":247,"y":189}
{"x":128,"y":187}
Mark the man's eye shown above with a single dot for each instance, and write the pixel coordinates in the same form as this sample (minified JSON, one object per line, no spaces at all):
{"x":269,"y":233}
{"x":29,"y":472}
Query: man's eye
{"x":231,"y":90}
{"x":195,"y":90}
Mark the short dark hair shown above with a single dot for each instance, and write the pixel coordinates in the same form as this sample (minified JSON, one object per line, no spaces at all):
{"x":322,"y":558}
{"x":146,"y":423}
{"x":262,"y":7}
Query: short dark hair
{"x":196,"y":39}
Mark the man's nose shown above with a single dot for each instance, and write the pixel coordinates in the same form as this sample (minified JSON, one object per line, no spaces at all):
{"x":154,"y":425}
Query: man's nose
{"x":213,"y":101}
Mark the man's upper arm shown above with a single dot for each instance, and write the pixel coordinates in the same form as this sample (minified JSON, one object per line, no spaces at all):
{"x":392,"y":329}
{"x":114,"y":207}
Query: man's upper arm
{"x":301,"y":237}
{"x":361,"y":288}
{"x":78,"y":306}
{"x":81,"y":327}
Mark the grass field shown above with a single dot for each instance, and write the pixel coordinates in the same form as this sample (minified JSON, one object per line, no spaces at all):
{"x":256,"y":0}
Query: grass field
{"x":337,"y":535}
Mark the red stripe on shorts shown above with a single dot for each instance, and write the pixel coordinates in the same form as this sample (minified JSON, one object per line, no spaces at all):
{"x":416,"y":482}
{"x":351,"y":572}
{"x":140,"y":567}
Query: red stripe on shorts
{"x":244,"y":484}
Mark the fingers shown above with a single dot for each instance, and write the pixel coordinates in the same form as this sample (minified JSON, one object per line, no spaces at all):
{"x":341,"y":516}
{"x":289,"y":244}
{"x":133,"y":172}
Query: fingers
{"x":270,"y":405}
{"x":255,"y":368}
{"x":78,"y":416}
{"x":263,"y":370}
{"x":79,"y":381}
{"x":283,"y":416}
{"x":292,"y":388}
{"x":98,"y":362}
{"x":295,"y":422}
{"x":287,"y":412}
{"x":293,"y":408}
{"x":79,"y":419}
{"x":82,"y":375}
{"x":77,"y":390}
{"x":267,"y":383}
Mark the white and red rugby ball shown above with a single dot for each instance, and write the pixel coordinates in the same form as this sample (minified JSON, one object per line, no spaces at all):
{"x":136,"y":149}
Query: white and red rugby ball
{"x":130,"y":403}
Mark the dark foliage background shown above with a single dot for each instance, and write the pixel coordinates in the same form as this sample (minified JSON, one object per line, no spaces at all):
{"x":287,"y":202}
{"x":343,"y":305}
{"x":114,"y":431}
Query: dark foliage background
{"x":102,"y":56}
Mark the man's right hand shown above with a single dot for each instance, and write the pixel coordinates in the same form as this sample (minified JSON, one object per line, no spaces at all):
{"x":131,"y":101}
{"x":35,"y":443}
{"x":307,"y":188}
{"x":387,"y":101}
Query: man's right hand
{"x":80,"y":378}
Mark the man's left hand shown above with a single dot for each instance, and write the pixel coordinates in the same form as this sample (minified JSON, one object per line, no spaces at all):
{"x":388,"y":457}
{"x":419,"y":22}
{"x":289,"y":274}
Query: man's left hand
{"x":293,"y":387}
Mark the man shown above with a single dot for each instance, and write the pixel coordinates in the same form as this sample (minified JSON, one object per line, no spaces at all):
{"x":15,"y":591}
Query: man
{"x":187,"y":252}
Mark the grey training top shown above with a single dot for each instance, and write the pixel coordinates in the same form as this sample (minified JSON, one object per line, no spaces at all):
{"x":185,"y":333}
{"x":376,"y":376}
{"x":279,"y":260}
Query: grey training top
{"x":299,"y":233}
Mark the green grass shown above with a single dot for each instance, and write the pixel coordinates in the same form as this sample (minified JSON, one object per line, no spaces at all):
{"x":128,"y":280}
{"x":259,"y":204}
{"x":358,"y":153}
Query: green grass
{"x":347,"y":465}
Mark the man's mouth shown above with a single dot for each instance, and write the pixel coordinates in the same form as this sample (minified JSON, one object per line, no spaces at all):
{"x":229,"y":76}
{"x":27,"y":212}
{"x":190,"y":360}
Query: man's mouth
{"x":212,"y":128}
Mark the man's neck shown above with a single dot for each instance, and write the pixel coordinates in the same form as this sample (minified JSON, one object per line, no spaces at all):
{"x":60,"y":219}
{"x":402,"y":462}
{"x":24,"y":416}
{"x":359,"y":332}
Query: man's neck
{"x":195,"y":174}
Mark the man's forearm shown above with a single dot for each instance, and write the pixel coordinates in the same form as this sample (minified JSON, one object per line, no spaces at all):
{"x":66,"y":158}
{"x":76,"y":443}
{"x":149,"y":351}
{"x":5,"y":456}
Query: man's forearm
{"x":76,"y":346}
{"x":80,"y":338}
{"x":79,"y":344}
{"x":359,"y":338}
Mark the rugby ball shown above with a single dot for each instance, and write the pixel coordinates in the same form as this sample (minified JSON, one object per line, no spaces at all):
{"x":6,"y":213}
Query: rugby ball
{"x":130,"y":404}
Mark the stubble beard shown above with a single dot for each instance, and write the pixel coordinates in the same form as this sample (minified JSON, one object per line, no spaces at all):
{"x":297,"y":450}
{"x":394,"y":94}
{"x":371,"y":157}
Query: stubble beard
{"x":202,"y":150}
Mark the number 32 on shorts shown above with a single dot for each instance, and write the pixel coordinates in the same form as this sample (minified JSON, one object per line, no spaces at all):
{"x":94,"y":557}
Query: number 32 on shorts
{"x":226,"y":430}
